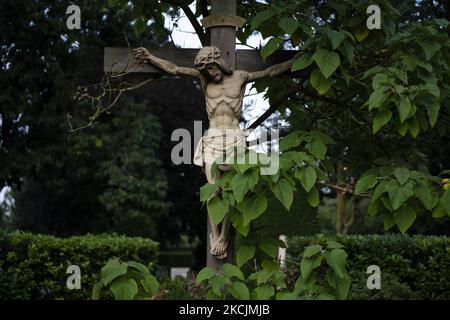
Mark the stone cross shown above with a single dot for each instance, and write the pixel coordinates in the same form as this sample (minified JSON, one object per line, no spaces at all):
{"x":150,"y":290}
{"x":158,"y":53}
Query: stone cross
{"x":223,"y":72}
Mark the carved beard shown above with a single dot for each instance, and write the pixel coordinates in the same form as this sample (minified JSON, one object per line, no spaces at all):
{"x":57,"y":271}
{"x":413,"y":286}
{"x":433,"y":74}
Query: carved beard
{"x":217,"y":77}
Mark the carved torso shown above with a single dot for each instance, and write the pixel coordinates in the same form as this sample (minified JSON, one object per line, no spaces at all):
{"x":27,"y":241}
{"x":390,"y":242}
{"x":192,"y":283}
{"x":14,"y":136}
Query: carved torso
{"x":224,"y":100}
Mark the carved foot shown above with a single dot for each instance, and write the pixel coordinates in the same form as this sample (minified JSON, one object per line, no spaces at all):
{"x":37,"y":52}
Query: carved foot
{"x":219,"y":249}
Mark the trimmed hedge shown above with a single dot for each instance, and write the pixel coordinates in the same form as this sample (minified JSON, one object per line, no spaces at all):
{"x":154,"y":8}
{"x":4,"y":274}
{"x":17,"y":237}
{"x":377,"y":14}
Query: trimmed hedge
{"x":34,"y":266}
{"x":412,"y":267}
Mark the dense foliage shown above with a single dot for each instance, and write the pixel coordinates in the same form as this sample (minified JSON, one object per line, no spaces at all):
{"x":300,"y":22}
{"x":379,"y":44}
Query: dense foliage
{"x":412,"y":267}
{"x":114,"y":177}
{"x":34,"y":266}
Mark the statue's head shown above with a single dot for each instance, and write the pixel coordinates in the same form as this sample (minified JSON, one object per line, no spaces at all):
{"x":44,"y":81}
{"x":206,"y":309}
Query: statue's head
{"x":210,"y":62}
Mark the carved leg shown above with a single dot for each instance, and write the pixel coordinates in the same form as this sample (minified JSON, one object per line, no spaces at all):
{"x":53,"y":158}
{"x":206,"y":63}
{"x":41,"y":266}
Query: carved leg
{"x":220,"y":250}
{"x":219,"y":242}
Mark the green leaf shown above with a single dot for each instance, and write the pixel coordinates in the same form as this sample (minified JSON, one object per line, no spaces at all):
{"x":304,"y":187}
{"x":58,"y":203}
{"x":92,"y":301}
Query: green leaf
{"x":336,"y":260}
{"x":244,"y":253}
{"x":424,"y":194}
{"x":124,"y":289}
{"x":261,"y":276}
{"x":379,"y":190}
{"x":313,"y":197}
{"x":113,"y":269}
{"x":240,"y":291}
{"x":308,"y":178}
{"x":290,"y":141}
{"x":278,"y":279}
{"x":404,"y":108}
{"x":377,"y":98}
{"x":336,"y":38}
{"x":381,"y":119}
{"x":97,"y":290}
{"x":381,"y":80}
{"x":289,"y":25}
{"x":347,"y":50}
{"x":413,"y":126}
{"x":238,"y":223}
{"x":217,"y":209}
{"x":217,"y":283}
{"x":334,"y":244}
{"x":261,"y":17}
{"x":270,"y":265}
{"x":284,"y":192}
{"x":150,"y":284}
{"x":433,"y":111}
{"x":319,"y":82}
{"x":205,"y":274}
{"x":270,"y":47}
{"x":307,"y":265}
{"x":148,"y":281}
{"x":404,"y":218}
{"x":242,"y":183}
{"x":207,"y":191}
{"x":365,"y":183}
{"x":372,"y":72}
{"x":430,"y":47}
{"x":445,"y":201}
{"x":439,"y":211}
{"x":402,"y":174}
{"x":342,"y":287}
{"x":361,"y":33}
{"x":398,"y":194}
{"x":312,"y":250}
{"x":322,"y":137}
{"x":270,"y":247}
{"x":433,"y":89}
{"x":264,"y":292}
{"x":317,"y":149}
{"x":252,"y":208}
{"x":410,"y":62}
{"x":210,"y":295}
{"x":388,"y":221}
{"x":231,"y":270}
{"x":327,"y":61}
{"x":301,"y":63}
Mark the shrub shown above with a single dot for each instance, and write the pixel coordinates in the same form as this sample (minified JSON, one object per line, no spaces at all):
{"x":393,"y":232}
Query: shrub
{"x":412,"y":267}
{"x":34,"y":266}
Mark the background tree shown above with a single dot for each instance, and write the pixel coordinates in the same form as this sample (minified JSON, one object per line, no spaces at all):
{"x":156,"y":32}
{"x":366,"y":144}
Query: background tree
{"x":114,"y":176}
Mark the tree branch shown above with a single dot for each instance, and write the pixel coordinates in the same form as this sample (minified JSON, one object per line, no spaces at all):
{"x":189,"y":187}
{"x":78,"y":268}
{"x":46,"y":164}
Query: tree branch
{"x":197,"y":26}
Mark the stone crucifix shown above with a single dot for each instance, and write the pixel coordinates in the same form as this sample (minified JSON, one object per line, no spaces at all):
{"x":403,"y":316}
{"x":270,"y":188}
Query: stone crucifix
{"x":223,"y":86}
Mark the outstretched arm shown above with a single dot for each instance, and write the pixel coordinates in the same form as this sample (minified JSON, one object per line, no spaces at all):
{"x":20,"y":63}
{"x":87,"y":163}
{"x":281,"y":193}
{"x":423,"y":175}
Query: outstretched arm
{"x":273,"y":70}
{"x":143,"y":56}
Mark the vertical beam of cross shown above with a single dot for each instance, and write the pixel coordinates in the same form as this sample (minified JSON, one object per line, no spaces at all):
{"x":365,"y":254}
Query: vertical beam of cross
{"x":223,"y":37}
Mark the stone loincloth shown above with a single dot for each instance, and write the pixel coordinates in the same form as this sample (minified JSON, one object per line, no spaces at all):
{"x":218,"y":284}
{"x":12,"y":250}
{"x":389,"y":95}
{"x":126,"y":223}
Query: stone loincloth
{"x":218,"y":144}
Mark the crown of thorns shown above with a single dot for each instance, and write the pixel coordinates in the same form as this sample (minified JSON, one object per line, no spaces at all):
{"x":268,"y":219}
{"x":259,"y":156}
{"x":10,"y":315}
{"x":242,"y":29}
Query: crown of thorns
{"x":207,"y":55}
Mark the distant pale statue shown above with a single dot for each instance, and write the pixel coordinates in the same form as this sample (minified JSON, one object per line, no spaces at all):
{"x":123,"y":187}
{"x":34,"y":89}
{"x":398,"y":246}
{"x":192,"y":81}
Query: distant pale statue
{"x":224,"y":90}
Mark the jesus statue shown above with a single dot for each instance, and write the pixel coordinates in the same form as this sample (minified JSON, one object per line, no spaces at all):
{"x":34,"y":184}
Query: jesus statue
{"x":224,"y":90}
